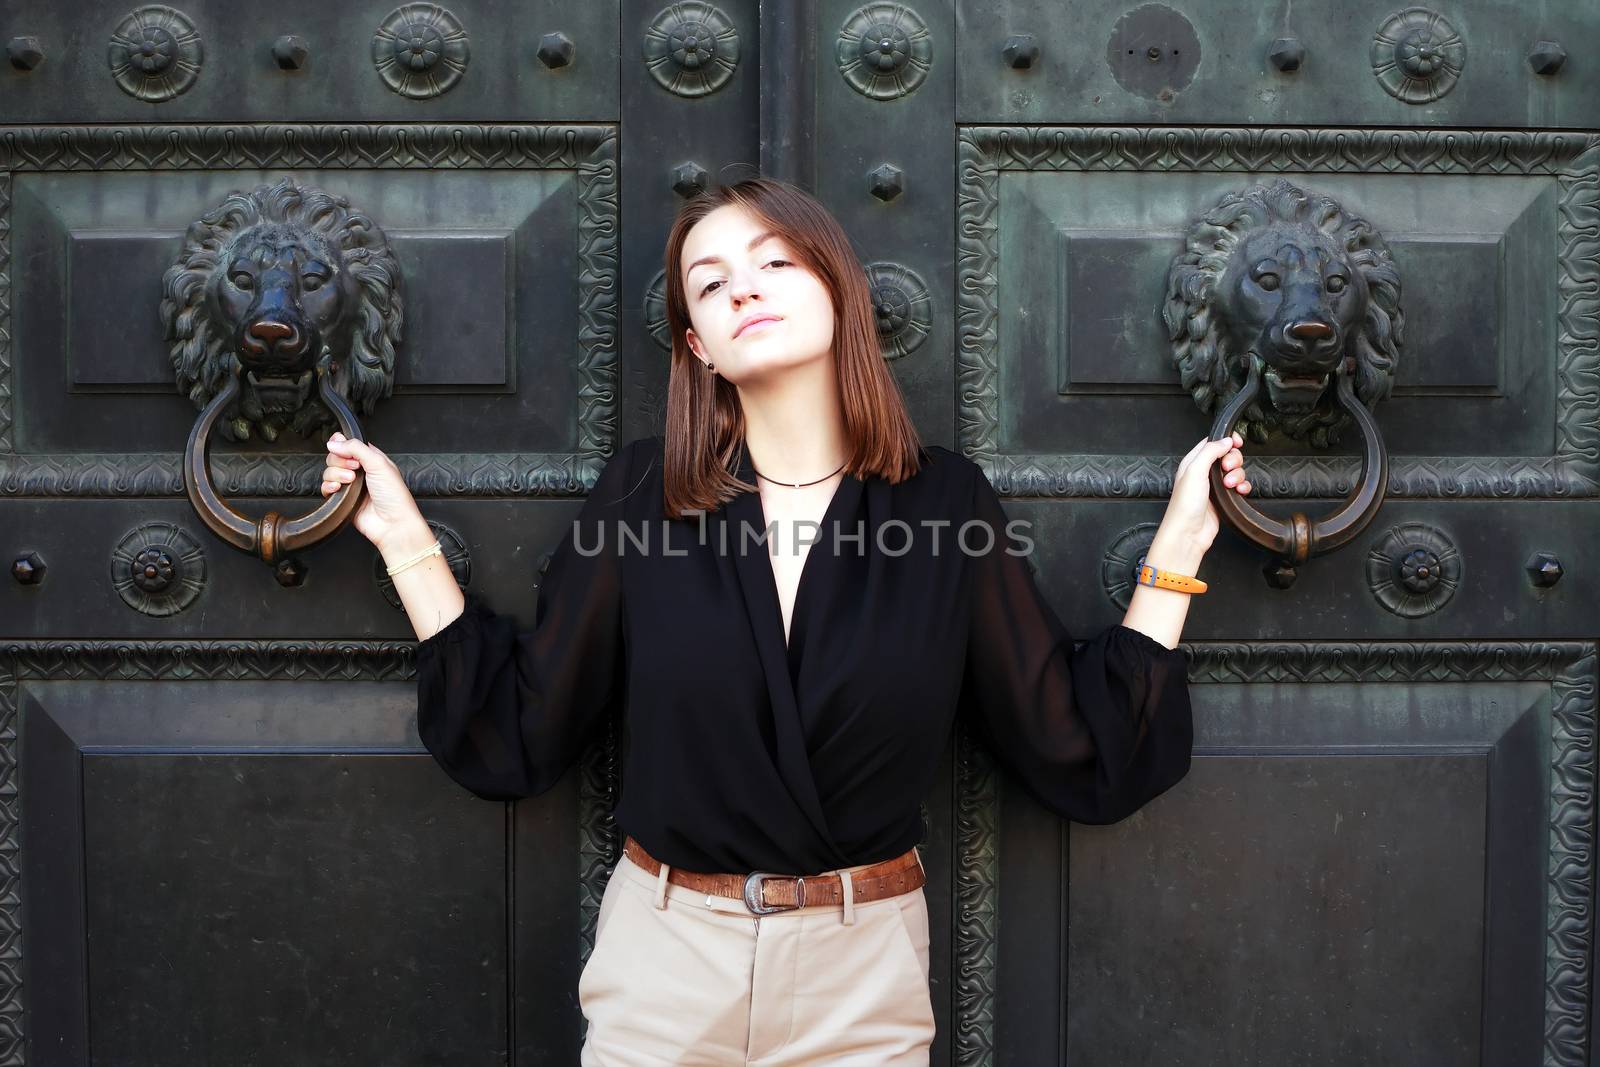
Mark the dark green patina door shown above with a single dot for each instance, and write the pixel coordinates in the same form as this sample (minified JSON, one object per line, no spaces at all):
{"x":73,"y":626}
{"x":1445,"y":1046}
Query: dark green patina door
{"x":1090,"y":227}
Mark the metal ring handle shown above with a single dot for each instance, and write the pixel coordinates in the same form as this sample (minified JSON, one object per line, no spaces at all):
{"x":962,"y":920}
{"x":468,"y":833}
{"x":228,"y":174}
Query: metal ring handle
{"x":272,"y":537}
{"x":1296,"y":539}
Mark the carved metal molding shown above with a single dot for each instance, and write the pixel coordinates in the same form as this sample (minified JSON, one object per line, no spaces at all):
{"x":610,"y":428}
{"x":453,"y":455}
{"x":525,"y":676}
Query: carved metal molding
{"x":1417,"y":56}
{"x":1571,"y":159}
{"x":977,"y":904}
{"x":902,"y":307}
{"x":7,"y":418}
{"x":590,"y":151}
{"x":599,"y":844}
{"x":691,"y":48}
{"x":884,"y":51}
{"x":428,"y":474}
{"x":421,"y":51}
{"x":155,"y":53}
{"x":158,"y":569}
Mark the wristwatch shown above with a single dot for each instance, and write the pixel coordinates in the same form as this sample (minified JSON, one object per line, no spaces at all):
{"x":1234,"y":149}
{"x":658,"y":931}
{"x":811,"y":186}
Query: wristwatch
{"x":1161,"y":579}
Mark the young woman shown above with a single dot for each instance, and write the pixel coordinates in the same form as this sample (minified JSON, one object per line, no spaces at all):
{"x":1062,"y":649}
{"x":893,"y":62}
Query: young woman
{"x":791,"y":599}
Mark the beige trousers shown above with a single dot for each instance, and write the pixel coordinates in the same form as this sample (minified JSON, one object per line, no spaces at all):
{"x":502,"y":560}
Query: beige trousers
{"x":679,"y":977}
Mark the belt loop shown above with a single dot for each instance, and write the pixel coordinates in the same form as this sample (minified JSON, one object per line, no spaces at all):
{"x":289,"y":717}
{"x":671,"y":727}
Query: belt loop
{"x":661,"y":887}
{"x":849,"y":898}
{"x":918,"y":854}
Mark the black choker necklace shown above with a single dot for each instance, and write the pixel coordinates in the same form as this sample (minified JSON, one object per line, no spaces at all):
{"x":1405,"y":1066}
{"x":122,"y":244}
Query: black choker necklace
{"x":798,"y":485}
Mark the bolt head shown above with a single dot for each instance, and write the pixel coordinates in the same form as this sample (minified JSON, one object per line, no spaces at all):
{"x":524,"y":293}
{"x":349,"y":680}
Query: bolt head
{"x":28,"y":570}
{"x":555,"y":50}
{"x":1279,"y":574}
{"x":25,"y":52}
{"x":290,"y":52}
{"x":1021,"y":51}
{"x":1544,"y":570}
{"x":1547,"y":57}
{"x":1286,"y":54}
{"x":290,"y":573}
{"x":689,"y":180}
{"x":887,"y":182}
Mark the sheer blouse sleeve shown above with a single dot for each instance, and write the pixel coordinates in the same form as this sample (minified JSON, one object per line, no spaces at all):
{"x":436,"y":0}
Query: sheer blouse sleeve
{"x":1094,"y":733}
{"x":505,"y":712}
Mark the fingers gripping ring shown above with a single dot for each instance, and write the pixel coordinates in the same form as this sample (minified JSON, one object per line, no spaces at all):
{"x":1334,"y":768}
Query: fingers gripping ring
{"x":1296,"y":539}
{"x":272,"y":537}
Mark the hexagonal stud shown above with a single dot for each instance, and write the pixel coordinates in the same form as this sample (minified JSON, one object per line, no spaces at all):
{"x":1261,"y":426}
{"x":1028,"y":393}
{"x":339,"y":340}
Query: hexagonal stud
{"x":1544,"y":570}
{"x":29,"y":569}
{"x":1279,"y":573}
{"x":1546,"y":57}
{"x":689,"y":179}
{"x":555,"y":50}
{"x":25,"y":52}
{"x":290,"y":573}
{"x":1020,"y":51}
{"x":1286,"y":54}
{"x":290,"y":52}
{"x":887,"y":182}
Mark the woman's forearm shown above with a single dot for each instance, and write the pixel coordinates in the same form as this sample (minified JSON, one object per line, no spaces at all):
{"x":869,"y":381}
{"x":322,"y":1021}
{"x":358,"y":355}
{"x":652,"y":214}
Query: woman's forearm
{"x":427,"y":590}
{"x":1159,"y":613}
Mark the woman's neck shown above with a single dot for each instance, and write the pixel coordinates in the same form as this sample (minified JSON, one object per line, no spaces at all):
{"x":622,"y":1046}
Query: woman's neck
{"x":794,"y":429}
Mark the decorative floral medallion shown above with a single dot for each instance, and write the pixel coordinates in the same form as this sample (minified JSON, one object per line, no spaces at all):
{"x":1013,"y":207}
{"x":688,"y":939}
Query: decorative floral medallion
{"x":155,"y":53}
{"x":1119,"y":568}
{"x":902,"y":306}
{"x":884,"y":51}
{"x":158,"y":569}
{"x":1417,"y":56}
{"x":691,"y":48}
{"x":655,"y":311}
{"x":421,"y":51}
{"x":1414,"y":569}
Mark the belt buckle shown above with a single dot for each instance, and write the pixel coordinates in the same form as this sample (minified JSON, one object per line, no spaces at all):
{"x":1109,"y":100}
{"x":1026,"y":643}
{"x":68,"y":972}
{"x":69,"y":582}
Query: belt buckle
{"x":752,"y":893}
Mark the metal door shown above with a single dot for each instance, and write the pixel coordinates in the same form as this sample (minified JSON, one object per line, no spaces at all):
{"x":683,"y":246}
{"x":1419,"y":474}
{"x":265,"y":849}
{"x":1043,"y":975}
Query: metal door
{"x":220,"y":840}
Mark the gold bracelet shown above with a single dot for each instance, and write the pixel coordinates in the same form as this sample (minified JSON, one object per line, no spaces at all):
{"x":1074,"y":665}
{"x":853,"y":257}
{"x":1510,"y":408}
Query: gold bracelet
{"x":434,"y":549}
{"x":1160,"y":579}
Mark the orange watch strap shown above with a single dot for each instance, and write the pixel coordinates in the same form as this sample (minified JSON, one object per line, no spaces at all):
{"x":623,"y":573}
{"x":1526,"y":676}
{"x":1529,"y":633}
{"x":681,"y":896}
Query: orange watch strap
{"x":1161,"y":579}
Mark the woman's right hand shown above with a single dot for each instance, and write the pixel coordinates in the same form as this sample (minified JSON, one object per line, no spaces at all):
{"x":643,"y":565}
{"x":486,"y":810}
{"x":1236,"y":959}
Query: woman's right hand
{"x":388,"y":506}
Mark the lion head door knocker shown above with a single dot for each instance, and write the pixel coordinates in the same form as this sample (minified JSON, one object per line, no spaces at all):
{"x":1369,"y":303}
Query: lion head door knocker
{"x":274,"y":291}
{"x":1286,"y":290}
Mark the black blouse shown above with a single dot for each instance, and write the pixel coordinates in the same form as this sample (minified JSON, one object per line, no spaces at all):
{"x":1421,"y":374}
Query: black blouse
{"x":741,"y":754}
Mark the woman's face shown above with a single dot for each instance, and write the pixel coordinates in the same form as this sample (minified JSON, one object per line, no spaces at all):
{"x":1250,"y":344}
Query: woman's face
{"x":753,"y":309}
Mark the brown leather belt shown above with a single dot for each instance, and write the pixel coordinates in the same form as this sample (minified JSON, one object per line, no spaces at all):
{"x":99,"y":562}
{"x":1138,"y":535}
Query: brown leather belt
{"x":764,"y":893}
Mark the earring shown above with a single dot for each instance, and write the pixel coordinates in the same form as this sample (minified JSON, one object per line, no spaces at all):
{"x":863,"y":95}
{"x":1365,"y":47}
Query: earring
{"x":710,"y":366}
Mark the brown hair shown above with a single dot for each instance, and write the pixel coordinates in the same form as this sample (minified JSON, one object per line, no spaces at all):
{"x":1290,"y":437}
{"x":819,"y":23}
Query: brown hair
{"x":705,"y":424}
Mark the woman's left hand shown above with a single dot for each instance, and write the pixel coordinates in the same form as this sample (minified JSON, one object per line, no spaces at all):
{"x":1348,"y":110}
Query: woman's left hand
{"x":1191,"y":518}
